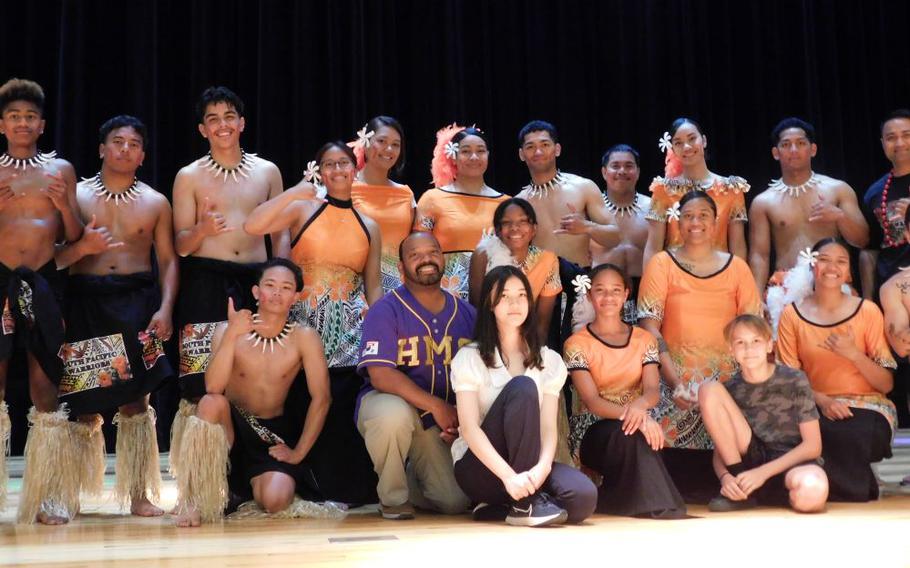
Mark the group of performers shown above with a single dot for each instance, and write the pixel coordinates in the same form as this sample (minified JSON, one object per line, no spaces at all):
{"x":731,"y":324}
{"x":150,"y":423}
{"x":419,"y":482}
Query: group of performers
{"x":340,"y":341}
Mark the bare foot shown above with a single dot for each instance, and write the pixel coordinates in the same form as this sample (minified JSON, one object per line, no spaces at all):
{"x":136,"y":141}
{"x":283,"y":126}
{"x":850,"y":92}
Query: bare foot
{"x":48,"y":519}
{"x":189,"y":518}
{"x":142,"y":507}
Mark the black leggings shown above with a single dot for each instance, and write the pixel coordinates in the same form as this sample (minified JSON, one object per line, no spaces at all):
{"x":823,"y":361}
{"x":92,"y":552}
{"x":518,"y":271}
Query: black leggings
{"x":513,"y":427}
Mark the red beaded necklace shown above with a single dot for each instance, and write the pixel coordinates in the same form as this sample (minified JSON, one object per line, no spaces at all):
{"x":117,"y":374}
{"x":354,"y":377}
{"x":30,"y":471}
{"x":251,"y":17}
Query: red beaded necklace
{"x":883,"y":212}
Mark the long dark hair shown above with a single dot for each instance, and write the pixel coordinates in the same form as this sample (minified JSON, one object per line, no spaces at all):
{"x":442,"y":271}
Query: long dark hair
{"x":486,"y":331}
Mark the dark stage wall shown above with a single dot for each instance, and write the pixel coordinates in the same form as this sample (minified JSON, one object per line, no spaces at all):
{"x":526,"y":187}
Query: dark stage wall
{"x":603,"y":71}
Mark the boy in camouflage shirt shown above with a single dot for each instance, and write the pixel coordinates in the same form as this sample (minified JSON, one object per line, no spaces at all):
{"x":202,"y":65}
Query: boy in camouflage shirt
{"x":764,"y":425}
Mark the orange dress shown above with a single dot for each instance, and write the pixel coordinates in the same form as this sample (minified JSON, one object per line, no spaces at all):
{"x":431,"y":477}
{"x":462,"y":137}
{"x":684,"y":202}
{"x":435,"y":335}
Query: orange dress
{"x":616,"y":370}
{"x":542,"y":269}
{"x":458,"y":221}
{"x":728,"y":194}
{"x":392,"y":207}
{"x":540,"y":266}
{"x":692,"y":312}
{"x":332,"y":249}
{"x":800,"y":345}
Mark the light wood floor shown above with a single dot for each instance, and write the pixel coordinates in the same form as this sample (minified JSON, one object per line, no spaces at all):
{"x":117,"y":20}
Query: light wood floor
{"x":869,"y":535}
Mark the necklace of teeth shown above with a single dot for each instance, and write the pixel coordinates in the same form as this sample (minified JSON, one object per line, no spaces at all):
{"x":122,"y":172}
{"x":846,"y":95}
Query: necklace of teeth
{"x":542,"y":189}
{"x":35,"y":161}
{"x":129,"y":194}
{"x":622,"y":210}
{"x":779,"y":186}
{"x":270,"y":341}
{"x":246,"y":165}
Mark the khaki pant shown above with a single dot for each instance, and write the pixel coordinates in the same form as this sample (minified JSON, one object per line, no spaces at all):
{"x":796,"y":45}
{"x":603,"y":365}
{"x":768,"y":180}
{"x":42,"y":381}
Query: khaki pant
{"x":393,"y":433}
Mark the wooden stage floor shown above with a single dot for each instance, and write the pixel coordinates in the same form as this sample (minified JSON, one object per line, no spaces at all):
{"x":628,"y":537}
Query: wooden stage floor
{"x":873,"y":535}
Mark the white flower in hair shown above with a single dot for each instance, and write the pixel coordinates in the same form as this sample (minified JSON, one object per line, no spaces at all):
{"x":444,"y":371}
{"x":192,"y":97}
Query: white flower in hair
{"x":673,"y":212}
{"x":582,"y":283}
{"x":451,"y":150}
{"x":363,"y":137}
{"x":664,"y":143}
{"x":808,"y":256}
{"x":312,"y":172}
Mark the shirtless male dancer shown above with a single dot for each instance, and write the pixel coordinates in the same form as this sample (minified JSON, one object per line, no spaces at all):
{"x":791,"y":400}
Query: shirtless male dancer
{"x":117,"y":318}
{"x":800,"y":208}
{"x":620,"y":170}
{"x":256,"y":358}
{"x":212,"y":198}
{"x":37,"y":210}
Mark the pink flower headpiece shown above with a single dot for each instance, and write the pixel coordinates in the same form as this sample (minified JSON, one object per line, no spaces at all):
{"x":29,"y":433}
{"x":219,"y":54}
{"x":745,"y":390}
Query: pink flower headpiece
{"x":672,"y":164}
{"x":443,"y":167}
{"x":360,"y":145}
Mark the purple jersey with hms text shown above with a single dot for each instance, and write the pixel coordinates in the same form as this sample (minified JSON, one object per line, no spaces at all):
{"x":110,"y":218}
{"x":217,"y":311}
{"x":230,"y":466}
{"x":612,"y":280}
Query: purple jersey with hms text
{"x":398,"y":332}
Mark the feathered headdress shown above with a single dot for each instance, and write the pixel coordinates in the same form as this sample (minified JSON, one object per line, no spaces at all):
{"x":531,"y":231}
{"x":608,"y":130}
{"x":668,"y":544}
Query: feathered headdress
{"x":796,"y":285}
{"x":442,"y":168}
{"x":672,"y":164}
{"x":498,"y":254}
{"x":361,"y":144}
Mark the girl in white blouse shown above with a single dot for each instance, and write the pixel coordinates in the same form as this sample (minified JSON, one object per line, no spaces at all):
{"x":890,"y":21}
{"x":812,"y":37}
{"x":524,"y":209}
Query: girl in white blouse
{"x":507,"y":391}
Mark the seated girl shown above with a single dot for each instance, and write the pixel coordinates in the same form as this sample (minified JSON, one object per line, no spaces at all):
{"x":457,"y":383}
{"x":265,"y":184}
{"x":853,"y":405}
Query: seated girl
{"x":507,"y":390}
{"x":614,"y":369}
{"x":838,"y":340}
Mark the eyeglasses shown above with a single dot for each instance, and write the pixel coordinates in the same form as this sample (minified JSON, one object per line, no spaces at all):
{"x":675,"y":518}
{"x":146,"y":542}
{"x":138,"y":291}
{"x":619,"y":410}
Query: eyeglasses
{"x":343,"y":164}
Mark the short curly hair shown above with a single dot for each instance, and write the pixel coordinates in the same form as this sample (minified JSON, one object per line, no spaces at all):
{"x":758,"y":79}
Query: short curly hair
{"x":21,"y":90}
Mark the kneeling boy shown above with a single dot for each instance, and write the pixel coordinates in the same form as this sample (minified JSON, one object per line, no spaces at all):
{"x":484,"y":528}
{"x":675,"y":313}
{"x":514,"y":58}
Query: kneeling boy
{"x":764,"y":424}
{"x":256,"y":360}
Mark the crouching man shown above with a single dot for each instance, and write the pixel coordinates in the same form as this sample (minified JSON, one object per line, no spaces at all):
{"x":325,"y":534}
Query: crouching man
{"x":247,"y":410}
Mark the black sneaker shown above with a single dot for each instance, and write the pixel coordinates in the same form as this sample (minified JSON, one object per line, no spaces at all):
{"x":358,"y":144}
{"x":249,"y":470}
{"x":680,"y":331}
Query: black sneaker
{"x":487,"y":512}
{"x":536,"y":511}
{"x":721,"y":504}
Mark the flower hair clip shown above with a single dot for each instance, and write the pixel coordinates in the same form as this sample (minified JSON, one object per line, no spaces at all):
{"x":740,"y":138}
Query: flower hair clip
{"x":451,"y":150}
{"x":363,"y":137}
{"x":312,"y":172}
{"x":808,"y":256}
{"x":664,"y":143}
{"x":673,"y":212}
{"x":581,"y":283}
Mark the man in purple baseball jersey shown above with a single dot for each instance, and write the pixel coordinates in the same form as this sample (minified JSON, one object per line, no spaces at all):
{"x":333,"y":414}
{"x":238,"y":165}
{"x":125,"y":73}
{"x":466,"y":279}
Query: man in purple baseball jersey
{"x":406,"y":409}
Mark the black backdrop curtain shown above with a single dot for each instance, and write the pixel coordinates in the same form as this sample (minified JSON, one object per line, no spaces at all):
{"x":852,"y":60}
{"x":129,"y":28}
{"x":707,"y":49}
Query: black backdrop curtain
{"x":603,"y":71}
